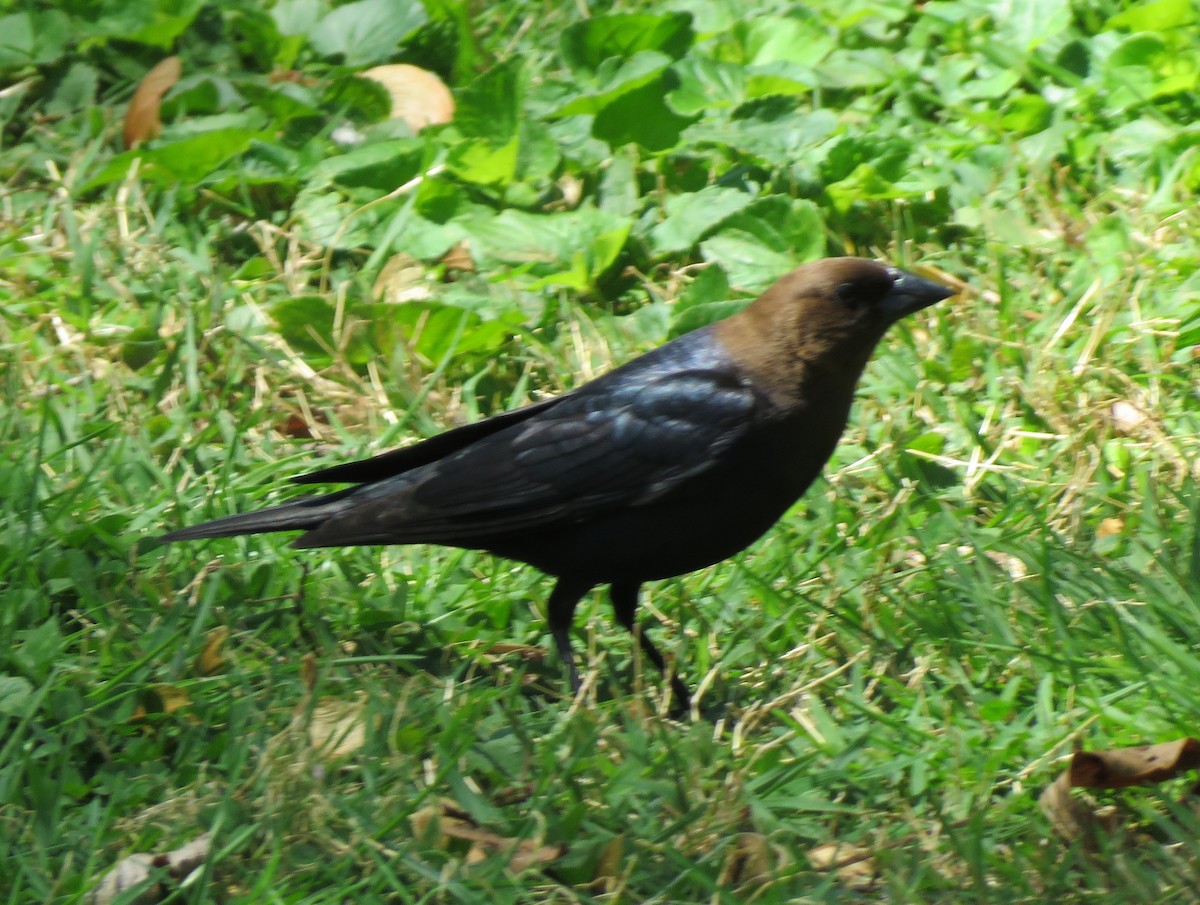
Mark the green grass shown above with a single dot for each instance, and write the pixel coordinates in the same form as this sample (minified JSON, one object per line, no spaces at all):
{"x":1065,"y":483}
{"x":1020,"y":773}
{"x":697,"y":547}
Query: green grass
{"x":999,"y":565}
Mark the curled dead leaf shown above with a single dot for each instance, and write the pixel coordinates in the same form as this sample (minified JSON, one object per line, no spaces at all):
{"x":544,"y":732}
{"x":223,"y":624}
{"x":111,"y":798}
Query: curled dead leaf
{"x":138,"y":868}
{"x":458,"y":259}
{"x":162,"y":699}
{"x":210,"y":660}
{"x":445,"y":821}
{"x":142,"y":120}
{"x":1139,"y":765}
{"x":1077,"y":817}
{"x":337,"y":728}
{"x":853,"y":865}
{"x":401,"y":279}
{"x":752,"y":861}
{"x":418,"y":97}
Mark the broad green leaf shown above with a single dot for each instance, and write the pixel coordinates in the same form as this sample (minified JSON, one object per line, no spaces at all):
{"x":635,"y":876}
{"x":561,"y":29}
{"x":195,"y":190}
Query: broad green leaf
{"x":800,"y":40}
{"x":705,"y":313}
{"x":588,"y":44}
{"x":1157,"y":15}
{"x":706,"y":84}
{"x":765,"y":240}
{"x":1026,"y":24}
{"x":617,"y":79}
{"x":693,"y":215}
{"x":366,"y":31}
{"x":484,"y":163}
{"x":490,"y":107}
{"x":574,"y":248}
{"x":383,"y":165}
{"x":641,"y":117}
{"x":187,"y":161}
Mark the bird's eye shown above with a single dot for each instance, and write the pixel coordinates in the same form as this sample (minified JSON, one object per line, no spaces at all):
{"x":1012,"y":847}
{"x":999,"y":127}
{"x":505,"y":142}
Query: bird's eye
{"x":848,"y":293}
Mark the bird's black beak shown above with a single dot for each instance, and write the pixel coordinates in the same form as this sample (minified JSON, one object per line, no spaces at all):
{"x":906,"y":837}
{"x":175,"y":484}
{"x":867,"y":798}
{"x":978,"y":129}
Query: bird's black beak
{"x":911,"y":293}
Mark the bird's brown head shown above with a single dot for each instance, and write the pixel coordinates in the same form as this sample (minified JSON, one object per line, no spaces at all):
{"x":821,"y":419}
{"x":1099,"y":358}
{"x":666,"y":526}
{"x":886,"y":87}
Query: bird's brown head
{"x":824,"y":318}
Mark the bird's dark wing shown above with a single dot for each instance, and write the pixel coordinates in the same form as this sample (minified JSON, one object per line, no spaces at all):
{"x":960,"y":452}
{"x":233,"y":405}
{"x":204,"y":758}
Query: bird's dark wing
{"x":613,"y":444}
{"x":398,"y":461}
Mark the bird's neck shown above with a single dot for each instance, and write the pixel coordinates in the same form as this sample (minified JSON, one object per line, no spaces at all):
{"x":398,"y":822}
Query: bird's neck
{"x":797,"y":365}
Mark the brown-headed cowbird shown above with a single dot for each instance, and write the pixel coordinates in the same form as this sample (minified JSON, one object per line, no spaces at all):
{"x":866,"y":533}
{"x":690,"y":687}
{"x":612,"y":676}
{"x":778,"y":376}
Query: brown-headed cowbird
{"x":669,"y":463}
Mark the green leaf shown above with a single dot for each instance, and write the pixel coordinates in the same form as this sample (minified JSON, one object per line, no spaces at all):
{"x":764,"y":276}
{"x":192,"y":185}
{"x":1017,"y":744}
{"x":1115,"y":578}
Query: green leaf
{"x":1158,"y":15}
{"x":641,"y":117}
{"x":693,"y":215}
{"x":617,"y":79}
{"x":802,"y":40}
{"x":186,"y":161}
{"x":382,"y":166}
{"x":366,"y":31}
{"x":16,"y":695}
{"x":706,"y":84}
{"x":490,"y":107}
{"x":571,"y":249}
{"x":705,"y":313}
{"x":588,"y":44}
{"x":766,"y":240}
{"x":1026,"y":114}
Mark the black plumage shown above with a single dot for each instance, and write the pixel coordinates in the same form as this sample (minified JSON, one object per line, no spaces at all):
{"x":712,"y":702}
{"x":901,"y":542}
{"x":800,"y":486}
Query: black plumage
{"x":669,"y":463}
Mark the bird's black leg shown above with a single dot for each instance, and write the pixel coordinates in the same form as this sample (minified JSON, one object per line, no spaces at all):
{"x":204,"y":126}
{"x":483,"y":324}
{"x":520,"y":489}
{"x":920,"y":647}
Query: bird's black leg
{"x":560,"y":612}
{"x":624,"y":600}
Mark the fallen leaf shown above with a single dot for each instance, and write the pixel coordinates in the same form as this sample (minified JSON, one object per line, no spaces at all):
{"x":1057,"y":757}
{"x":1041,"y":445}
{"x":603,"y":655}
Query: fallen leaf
{"x":337,"y":727}
{"x":142,"y":120}
{"x":531,"y":653}
{"x":210,"y":660}
{"x":609,"y":864}
{"x":1078,"y":817}
{"x":418,"y":97}
{"x":1140,"y":765}
{"x":308,"y":672}
{"x":1126,"y":417}
{"x":752,"y":860}
{"x":296,"y":427}
{"x":138,"y":868}
{"x":853,"y":865}
{"x":401,"y":279}
{"x":439,"y":823}
{"x":458,"y":259}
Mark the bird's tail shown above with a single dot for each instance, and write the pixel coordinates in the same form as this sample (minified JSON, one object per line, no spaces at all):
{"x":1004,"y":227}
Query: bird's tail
{"x":299,"y":515}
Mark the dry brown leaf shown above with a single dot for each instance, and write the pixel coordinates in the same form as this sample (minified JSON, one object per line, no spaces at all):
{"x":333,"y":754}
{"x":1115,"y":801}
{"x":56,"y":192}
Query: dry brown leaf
{"x":1071,"y":816}
{"x":459,"y":259}
{"x":1140,"y":765}
{"x":170,"y":698}
{"x":295,"y":427}
{"x":1110,"y":527}
{"x":418,"y":97}
{"x":853,"y":865}
{"x":751,"y":860}
{"x":444,"y":821}
{"x":1075,"y":817}
{"x":138,"y":868}
{"x":338,"y":728}
{"x":528,"y":652}
{"x":142,"y":118}
{"x":401,"y":279}
{"x":609,"y":864}
{"x":210,"y":660}
{"x":308,"y":672}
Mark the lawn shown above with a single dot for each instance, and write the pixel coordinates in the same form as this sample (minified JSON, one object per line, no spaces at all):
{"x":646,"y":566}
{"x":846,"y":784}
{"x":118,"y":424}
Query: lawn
{"x":1000,"y":566}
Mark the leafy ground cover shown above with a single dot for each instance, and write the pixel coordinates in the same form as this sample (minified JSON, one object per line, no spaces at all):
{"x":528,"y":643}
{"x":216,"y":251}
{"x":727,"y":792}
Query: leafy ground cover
{"x":1002,"y":564}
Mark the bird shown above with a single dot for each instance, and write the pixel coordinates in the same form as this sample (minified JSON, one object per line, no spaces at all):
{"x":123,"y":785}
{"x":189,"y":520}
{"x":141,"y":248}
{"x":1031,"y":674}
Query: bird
{"x":671,"y":462}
